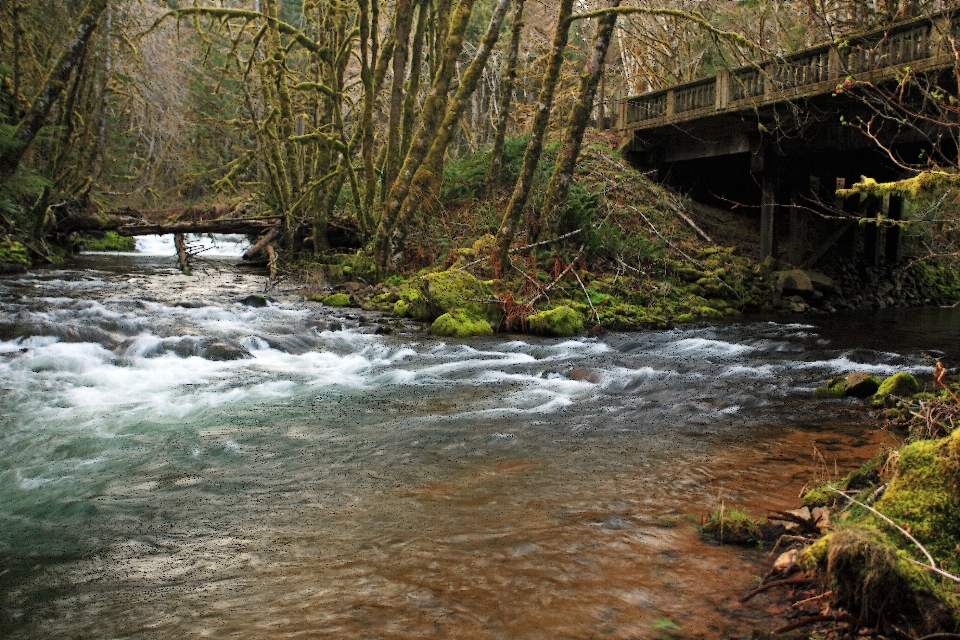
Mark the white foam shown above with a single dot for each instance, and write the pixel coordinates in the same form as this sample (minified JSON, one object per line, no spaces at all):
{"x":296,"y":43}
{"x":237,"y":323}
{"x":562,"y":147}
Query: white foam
{"x":212,"y":245}
{"x":703,"y":346}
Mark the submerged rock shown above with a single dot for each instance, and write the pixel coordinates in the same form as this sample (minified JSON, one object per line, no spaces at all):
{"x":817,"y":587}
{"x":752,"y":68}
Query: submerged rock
{"x":255,"y":300}
{"x":222,"y":350}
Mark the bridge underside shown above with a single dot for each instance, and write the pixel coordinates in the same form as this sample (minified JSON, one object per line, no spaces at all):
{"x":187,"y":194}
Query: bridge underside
{"x":780,"y":166}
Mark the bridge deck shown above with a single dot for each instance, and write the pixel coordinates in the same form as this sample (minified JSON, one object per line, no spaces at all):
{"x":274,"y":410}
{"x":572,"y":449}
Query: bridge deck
{"x":881,"y":55}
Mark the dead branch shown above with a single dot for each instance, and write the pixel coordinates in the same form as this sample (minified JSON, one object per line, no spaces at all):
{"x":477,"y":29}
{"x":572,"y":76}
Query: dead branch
{"x":839,"y":617}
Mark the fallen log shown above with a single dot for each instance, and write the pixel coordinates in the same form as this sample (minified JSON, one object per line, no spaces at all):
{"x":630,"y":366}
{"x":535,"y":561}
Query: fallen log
{"x":252,"y":227}
{"x":264,"y":242}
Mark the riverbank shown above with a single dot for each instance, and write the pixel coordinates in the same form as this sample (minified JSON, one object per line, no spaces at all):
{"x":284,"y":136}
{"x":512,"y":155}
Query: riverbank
{"x":872,"y":553}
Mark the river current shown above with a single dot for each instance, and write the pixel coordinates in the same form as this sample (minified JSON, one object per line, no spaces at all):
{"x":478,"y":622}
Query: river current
{"x":340,"y":483}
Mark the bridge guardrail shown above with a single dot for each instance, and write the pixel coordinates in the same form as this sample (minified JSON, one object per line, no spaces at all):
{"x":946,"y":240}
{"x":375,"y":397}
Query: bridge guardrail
{"x":785,"y":78}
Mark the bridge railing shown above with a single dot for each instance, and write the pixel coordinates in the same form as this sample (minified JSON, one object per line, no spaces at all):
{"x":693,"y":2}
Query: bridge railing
{"x":808,"y":72}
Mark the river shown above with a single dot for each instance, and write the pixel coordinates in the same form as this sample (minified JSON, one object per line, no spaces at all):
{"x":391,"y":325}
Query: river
{"x":339,"y":483}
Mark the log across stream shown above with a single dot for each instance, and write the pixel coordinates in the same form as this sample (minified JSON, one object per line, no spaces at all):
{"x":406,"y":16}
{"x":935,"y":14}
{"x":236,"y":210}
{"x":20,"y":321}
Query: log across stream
{"x":175,"y":463}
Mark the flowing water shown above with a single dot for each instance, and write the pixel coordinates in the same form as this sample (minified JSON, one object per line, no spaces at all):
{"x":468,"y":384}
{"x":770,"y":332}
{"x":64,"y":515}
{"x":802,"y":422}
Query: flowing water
{"x":344,"y":484}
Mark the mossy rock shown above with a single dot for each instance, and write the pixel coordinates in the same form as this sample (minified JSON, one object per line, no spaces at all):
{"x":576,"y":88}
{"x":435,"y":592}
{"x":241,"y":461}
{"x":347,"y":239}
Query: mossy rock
{"x":433,"y":294}
{"x":900,"y":384}
{"x":924,"y":495}
{"x":14,"y":257}
{"x":819,"y":496}
{"x":111,"y":241}
{"x":337,"y":300}
{"x":560,"y":321}
{"x":835,"y":388}
{"x":460,"y":324}
{"x":860,"y":384}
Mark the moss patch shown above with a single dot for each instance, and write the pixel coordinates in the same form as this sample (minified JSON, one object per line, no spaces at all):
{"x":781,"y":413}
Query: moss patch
{"x":460,"y":324}
{"x":901,"y":384}
{"x":924,"y":496}
{"x":561,"y":321}
{"x":337,"y":300}
{"x":13,"y":255}
{"x":835,"y":388}
{"x":111,"y":241}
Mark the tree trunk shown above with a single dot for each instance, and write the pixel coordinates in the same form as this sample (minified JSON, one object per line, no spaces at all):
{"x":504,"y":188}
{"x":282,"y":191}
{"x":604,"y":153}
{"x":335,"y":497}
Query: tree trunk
{"x":538,"y":131}
{"x":426,"y":132}
{"x":404,"y":17}
{"x":506,"y":93}
{"x":430,"y":168}
{"x":412,"y":99}
{"x":51,"y":90}
{"x":577,"y":122}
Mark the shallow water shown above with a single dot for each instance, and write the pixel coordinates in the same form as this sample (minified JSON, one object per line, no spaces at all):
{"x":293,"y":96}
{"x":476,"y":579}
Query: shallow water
{"x":347,"y":484}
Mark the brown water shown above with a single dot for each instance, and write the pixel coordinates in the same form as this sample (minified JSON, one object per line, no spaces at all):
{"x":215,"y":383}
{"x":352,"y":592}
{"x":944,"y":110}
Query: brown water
{"x":342,"y":484}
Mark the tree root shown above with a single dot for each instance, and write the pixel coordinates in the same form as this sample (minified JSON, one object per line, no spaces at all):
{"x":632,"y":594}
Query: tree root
{"x":801,"y":579}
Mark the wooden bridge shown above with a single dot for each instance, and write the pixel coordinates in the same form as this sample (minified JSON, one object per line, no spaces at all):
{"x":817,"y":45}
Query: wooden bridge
{"x":770,"y":133}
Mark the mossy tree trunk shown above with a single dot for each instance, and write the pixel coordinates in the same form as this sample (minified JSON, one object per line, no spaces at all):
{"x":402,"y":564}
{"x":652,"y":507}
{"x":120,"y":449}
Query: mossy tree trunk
{"x":55,"y":83}
{"x":577,"y":122}
{"x":430,"y":120}
{"x":538,"y":131}
{"x":506,"y":94}
{"x":429,"y":170}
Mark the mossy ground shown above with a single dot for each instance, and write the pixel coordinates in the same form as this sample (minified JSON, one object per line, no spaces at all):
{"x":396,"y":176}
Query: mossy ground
{"x":872,"y":569}
{"x":13,"y":255}
{"x":110,"y":241}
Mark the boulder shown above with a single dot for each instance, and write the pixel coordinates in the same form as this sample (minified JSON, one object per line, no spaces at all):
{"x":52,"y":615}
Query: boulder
{"x":222,"y":350}
{"x":899,"y":384}
{"x":561,"y":322}
{"x":254,"y":301}
{"x":337,"y":300}
{"x":861,"y":384}
{"x":822,"y":283}
{"x":793,"y":282}
{"x":460,"y":323}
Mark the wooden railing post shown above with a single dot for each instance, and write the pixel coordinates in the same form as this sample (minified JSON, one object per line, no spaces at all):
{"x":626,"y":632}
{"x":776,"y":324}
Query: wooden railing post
{"x":722,"y":90}
{"x":671,"y":102}
{"x":835,"y":64}
{"x":769,"y":73}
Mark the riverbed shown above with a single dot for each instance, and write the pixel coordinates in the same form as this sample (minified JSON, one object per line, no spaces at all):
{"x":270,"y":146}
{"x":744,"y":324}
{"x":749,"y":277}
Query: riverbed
{"x":335,"y":482}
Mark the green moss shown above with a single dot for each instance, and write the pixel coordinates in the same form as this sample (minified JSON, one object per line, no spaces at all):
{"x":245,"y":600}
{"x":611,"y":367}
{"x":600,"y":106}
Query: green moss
{"x":561,"y":321}
{"x":733,"y":526}
{"x":111,"y":241}
{"x":836,"y":388}
{"x":900,"y":384}
{"x":337,"y":300}
{"x":868,"y":576}
{"x":924,"y":495}
{"x":819,"y":496}
{"x":460,"y":324}
{"x":12,"y":252}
